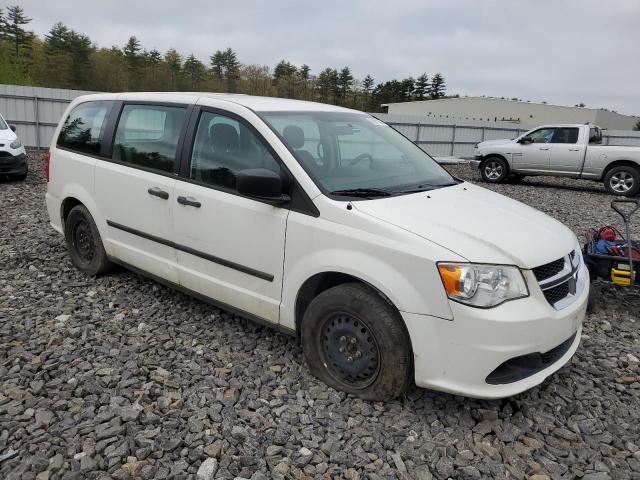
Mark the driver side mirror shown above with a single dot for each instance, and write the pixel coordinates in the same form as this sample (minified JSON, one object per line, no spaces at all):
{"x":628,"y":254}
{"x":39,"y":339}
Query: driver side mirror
{"x":525,"y":140}
{"x":13,"y":128}
{"x":261,"y":184}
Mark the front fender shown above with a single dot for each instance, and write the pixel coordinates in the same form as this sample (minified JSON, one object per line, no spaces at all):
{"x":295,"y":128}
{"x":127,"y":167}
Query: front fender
{"x":412,"y":285}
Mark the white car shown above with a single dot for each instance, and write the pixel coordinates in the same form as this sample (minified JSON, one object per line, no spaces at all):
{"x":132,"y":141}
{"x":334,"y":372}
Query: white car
{"x":13,"y":157}
{"x":327,"y":224}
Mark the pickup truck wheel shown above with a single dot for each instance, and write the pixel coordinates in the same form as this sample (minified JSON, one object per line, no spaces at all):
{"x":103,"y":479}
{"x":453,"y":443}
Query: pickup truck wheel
{"x":494,"y":170}
{"x":355,"y":341}
{"x":84,"y":242}
{"x":622,"y":180}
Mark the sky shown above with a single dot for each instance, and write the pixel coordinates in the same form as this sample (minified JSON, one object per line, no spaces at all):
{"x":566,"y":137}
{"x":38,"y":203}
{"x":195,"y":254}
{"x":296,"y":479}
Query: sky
{"x":560,"y":51}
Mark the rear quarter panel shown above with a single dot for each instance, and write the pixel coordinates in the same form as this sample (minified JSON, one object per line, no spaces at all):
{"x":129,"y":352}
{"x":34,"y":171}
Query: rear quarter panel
{"x":598,"y":157}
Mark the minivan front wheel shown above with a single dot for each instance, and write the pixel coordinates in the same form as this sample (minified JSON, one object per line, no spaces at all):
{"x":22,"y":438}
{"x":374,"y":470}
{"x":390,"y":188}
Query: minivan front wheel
{"x":355,"y":341}
{"x":494,"y":170}
{"x":84,"y":242}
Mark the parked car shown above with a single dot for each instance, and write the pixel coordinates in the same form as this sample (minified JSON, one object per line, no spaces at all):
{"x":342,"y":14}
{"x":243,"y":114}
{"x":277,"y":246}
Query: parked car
{"x":563,"y":151}
{"x":13,"y":157}
{"x":327,"y":224}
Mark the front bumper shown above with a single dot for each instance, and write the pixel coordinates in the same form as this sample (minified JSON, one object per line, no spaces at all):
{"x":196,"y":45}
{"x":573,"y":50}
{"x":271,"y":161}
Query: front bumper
{"x":12,"y":164}
{"x":459,"y":356}
{"x":475,"y":163}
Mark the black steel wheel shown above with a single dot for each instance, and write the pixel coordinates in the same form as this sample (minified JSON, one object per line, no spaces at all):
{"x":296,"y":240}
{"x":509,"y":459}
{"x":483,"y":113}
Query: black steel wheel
{"x":355,"y":341}
{"x":84,"y":243}
{"x":350,"y":350}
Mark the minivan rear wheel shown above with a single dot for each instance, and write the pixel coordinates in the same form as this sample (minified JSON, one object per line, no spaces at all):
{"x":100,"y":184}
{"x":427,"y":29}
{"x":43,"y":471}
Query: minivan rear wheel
{"x":84,"y":242}
{"x":354,"y":341}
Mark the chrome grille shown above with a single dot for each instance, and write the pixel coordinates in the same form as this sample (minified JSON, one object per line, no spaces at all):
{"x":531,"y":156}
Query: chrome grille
{"x":559,"y":280}
{"x":548,"y":270}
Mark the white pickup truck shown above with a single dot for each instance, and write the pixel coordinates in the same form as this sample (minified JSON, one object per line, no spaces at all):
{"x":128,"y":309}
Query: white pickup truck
{"x":567,"y":150}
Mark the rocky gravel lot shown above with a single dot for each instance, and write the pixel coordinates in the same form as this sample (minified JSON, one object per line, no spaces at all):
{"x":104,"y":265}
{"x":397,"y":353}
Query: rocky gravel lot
{"x":118,"y":377}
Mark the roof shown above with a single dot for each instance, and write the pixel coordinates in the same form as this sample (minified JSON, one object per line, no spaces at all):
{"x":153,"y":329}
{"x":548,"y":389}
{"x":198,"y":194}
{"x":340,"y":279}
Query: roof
{"x":505,"y":100}
{"x":260,"y":104}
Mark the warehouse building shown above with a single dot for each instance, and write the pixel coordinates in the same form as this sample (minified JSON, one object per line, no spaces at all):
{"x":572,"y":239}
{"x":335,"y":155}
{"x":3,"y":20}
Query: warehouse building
{"x":516,"y":112}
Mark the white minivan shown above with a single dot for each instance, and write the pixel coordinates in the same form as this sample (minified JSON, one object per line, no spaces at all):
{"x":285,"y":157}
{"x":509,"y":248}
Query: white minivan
{"x":325,"y":223}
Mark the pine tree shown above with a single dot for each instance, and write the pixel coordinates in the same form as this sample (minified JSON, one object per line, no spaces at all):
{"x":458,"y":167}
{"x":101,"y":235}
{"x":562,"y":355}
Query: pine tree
{"x":345,"y":82}
{"x":194,"y":71}
{"x":232,"y":69}
{"x":217,"y":65}
{"x":15,"y":34}
{"x":438,"y":87}
{"x":174,"y":63}
{"x":422,"y":87}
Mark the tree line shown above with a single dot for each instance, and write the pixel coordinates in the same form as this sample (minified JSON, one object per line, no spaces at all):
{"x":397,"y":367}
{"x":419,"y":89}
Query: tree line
{"x":65,"y":58}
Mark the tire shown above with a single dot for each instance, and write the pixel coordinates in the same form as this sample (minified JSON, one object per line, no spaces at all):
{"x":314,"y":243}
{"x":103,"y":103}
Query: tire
{"x":494,"y":170}
{"x":353,"y":321}
{"x":84,"y":242}
{"x":623,"y":180}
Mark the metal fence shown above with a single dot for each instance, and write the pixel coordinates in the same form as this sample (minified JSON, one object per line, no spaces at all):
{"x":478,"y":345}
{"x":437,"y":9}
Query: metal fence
{"x":36,"y":111}
{"x":444,"y":137}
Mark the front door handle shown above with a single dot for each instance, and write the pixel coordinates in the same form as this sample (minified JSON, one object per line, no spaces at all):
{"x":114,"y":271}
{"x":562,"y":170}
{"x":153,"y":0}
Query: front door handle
{"x":544,"y":148}
{"x":574,"y":149}
{"x":190,"y":201}
{"x":156,"y":192}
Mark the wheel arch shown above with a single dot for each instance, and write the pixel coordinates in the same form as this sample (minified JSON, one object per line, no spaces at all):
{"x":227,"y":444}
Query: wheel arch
{"x":489,"y":156}
{"x":319,"y":282}
{"x":619,"y":163}
{"x":66,"y":206}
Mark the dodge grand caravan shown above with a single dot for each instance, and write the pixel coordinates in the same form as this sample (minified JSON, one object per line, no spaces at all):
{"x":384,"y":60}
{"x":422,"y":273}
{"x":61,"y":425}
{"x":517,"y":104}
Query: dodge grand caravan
{"x":326,"y":223}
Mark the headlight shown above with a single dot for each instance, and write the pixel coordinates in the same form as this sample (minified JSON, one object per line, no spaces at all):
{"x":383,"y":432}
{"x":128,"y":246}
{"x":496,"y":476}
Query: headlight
{"x":482,"y":285}
{"x":15,"y":144}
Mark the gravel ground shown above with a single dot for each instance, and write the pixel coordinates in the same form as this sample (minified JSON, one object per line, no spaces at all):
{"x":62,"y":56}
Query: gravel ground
{"x":119,"y":377}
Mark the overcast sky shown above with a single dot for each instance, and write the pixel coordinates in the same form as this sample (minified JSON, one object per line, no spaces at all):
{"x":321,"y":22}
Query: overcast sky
{"x":563,"y":52}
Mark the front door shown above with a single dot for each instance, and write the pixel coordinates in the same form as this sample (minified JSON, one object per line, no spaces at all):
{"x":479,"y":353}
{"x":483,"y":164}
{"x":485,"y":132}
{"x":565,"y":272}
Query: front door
{"x":230,"y":248}
{"x":534,"y":155}
{"x":135,"y":189}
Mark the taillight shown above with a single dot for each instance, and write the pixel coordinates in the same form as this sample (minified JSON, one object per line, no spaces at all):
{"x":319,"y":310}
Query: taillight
{"x":47,"y":164}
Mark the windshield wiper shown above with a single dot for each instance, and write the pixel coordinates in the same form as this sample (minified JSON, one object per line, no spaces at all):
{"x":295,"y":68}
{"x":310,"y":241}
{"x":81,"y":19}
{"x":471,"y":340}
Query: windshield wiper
{"x":424,"y":188}
{"x":362,"y":192}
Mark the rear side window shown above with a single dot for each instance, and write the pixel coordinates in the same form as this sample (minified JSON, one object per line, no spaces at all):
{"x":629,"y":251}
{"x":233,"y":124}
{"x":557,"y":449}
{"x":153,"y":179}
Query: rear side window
{"x":565,"y":135}
{"x":83,"y":128}
{"x":147,"y":136}
{"x":595,"y":135}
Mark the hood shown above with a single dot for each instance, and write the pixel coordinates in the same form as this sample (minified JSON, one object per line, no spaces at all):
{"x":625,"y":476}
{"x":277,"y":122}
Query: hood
{"x":477,"y":224}
{"x":488,"y":143}
{"x":7,"y":135}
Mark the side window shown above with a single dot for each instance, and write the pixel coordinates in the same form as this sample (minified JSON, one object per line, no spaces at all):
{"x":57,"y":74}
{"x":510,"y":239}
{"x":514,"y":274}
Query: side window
{"x":565,"y":135}
{"x":147,"y":136}
{"x":543,"y":135}
{"x":83,"y":127}
{"x":224,"y":146}
{"x":595,"y":135}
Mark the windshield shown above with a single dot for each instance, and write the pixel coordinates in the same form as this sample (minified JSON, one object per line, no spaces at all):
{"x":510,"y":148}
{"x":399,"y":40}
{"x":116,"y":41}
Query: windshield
{"x":3,"y":124}
{"x":354,"y":153}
